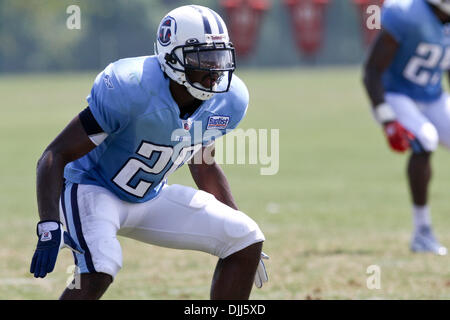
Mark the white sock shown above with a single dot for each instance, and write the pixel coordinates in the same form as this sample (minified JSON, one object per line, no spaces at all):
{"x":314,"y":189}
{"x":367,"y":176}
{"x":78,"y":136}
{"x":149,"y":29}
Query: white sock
{"x":421,"y":215}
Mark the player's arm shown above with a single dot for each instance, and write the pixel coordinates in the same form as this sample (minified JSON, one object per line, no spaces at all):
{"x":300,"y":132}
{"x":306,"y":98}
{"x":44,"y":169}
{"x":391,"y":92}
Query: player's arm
{"x":380,"y":57}
{"x":209,"y":177}
{"x":72,"y":143}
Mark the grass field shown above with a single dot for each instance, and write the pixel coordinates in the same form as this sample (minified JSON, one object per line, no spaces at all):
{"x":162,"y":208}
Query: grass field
{"x":338,"y":204}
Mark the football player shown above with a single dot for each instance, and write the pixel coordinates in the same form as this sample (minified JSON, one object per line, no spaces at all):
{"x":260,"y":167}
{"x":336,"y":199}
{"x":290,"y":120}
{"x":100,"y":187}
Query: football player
{"x":403,"y":76}
{"x":106,"y":173}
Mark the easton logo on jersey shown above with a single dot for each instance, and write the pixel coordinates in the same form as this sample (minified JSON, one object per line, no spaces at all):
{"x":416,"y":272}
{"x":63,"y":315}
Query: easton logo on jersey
{"x":218,"y":122}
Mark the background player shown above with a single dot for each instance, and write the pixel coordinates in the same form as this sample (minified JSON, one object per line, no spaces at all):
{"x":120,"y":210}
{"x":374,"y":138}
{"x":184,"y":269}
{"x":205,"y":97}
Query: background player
{"x":117,"y":154}
{"x":403,"y":76}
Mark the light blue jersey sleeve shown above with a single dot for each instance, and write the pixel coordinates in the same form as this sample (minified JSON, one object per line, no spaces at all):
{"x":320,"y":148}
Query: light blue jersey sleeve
{"x":108,"y":101}
{"x":394,"y":19}
{"x":239,"y":98}
{"x":225,"y":111}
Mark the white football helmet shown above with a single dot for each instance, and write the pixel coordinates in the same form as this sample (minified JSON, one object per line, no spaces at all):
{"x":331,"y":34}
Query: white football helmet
{"x":443,"y":5}
{"x":195,"y":38}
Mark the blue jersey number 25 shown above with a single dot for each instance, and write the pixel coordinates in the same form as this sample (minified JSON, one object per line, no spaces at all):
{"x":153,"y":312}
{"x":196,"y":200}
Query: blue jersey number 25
{"x":423,"y":69}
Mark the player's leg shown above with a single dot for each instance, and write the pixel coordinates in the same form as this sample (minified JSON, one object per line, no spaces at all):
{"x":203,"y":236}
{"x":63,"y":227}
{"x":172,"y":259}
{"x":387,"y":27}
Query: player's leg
{"x":184,"y":218}
{"x":419,"y":176}
{"x":234,"y":275}
{"x":438,"y":112}
{"x":419,"y":168}
{"x":91,"y":287}
{"x":92,"y":216}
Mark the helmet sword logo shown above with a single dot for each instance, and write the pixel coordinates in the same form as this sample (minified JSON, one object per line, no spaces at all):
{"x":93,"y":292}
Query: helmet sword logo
{"x":166,"y":31}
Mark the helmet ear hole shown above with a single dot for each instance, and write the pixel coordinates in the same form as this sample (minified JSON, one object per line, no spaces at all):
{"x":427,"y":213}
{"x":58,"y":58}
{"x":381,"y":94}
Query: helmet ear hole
{"x":170,"y":58}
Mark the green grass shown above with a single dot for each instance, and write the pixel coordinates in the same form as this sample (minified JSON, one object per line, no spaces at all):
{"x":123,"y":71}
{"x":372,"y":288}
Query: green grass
{"x":338,"y":204}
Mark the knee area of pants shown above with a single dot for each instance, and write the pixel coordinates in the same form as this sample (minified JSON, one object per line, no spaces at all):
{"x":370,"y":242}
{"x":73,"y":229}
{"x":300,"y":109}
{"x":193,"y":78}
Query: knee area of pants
{"x":107,"y":256}
{"x":109,"y":268}
{"x":239,"y":225}
{"x":428,"y":137}
{"x":237,"y":241}
{"x":241,"y":232}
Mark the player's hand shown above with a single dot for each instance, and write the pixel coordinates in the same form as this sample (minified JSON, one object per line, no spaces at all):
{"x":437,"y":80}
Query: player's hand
{"x":261,"y":273}
{"x":399,"y":138}
{"x":52,"y":238}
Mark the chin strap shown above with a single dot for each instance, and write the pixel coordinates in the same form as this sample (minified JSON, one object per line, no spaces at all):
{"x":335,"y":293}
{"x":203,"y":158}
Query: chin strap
{"x":197,"y":93}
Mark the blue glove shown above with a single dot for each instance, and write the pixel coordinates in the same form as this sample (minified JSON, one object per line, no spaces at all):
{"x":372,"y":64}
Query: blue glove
{"x":52,"y":238}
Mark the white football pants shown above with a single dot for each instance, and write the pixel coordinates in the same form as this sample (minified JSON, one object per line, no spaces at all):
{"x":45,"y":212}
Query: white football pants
{"x":429,"y":122}
{"x":179,"y":217}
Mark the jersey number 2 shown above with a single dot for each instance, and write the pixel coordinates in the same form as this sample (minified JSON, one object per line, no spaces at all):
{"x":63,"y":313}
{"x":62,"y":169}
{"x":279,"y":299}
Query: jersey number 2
{"x":132,"y":167}
{"x":428,"y":57}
